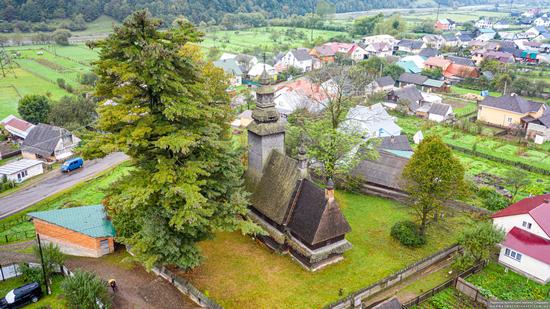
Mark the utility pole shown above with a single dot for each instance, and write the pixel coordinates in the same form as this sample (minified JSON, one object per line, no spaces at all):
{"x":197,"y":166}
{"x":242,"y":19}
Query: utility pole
{"x":42,"y":262}
{"x":438,"y":6}
{"x":5,"y":62}
{"x":511,"y":2}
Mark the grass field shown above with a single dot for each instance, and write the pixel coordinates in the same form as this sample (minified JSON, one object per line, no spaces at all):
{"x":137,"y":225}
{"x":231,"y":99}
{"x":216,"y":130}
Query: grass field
{"x":241,"y":273}
{"x":495,"y":282}
{"x":238,"y":40}
{"x":37,"y":69}
{"x":87,"y":193}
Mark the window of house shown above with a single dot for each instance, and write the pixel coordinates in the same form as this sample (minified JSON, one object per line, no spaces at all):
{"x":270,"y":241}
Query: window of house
{"x":509,"y":119}
{"x":527,"y":224}
{"x":513,"y":254}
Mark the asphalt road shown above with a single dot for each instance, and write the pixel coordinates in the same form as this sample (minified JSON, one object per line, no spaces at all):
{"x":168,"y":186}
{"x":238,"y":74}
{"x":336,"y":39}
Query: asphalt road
{"x":54,"y":183}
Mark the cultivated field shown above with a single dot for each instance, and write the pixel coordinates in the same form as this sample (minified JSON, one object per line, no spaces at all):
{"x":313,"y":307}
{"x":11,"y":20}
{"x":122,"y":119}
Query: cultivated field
{"x":239,"y":40}
{"x":37,"y":69}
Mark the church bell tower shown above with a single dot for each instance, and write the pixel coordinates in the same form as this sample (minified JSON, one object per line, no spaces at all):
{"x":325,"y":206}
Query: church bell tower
{"x":267,"y":132}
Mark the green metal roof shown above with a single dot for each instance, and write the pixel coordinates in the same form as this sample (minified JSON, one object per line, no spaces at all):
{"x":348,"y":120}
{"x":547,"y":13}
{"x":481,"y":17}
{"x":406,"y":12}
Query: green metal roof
{"x":409,"y":66}
{"x":434,"y":83}
{"x":401,"y":153}
{"x":88,"y":220}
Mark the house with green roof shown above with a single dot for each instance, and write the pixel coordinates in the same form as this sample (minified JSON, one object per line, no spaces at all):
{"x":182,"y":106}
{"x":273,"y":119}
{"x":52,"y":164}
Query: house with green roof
{"x":80,"y":231}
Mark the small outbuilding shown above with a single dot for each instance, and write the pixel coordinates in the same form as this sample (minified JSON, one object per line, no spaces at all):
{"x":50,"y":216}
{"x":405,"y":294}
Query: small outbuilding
{"x":80,"y":231}
{"x":21,"y":170}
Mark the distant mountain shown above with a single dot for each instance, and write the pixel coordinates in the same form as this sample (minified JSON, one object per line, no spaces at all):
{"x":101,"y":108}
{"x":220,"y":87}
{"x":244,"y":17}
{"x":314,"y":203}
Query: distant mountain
{"x":195,"y":10}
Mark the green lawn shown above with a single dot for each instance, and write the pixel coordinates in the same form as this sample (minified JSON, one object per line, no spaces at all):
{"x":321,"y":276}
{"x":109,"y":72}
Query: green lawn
{"x":494,"y":281}
{"x":238,"y":40}
{"x":427,"y":283}
{"x":55,"y":300}
{"x":241,"y":273}
{"x":87,"y":193}
{"x":12,"y":88}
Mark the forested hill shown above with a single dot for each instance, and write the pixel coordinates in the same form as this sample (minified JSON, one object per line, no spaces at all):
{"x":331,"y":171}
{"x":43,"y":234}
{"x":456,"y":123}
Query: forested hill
{"x":195,"y":10}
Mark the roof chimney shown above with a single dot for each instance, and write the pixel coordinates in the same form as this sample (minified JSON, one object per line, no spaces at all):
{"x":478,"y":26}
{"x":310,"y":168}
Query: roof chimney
{"x":329,"y":190}
{"x":302,"y":161}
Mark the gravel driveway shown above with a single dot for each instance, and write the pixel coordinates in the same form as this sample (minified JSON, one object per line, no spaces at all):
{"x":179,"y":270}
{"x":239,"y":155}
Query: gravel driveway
{"x":136,"y":287}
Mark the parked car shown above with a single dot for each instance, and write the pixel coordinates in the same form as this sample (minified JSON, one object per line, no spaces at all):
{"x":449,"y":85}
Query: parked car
{"x":72,"y":164}
{"x":16,"y":298}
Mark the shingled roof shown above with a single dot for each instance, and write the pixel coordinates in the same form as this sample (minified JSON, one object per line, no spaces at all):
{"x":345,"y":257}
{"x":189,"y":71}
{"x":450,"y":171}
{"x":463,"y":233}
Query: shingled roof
{"x":439,"y":109}
{"x":411,"y":78}
{"x":385,"y":171}
{"x":301,"y":54}
{"x":410,"y":94}
{"x":513,"y":103}
{"x":276,"y":188}
{"x":316,"y":219}
{"x":43,"y":139}
{"x":399,"y":142}
{"x":385,"y":81}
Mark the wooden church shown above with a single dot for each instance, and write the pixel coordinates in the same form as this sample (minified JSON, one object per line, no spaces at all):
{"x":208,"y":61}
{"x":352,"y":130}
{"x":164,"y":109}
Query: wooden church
{"x":301,"y":218}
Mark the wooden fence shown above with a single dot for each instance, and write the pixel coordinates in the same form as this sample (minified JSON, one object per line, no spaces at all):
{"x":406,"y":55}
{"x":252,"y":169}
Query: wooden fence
{"x":16,"y":236}
{"x":355,"y":299}
{"x":449,"y":283}
{"x":183,"y":286}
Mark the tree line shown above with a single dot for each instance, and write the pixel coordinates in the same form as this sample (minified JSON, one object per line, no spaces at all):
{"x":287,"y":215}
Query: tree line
{"x":196,"y":11}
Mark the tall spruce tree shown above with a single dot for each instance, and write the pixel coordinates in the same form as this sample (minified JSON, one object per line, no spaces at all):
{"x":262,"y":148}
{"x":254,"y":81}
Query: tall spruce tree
{"x":171,"y":117}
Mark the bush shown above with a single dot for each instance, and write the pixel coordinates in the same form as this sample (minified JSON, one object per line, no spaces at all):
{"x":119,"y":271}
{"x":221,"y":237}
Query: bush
{"x":83,"y":290}
{"x":6,"y":184}
{"x":31,"y":274}
{"x":408,"y":234}
{"x":492,"y":200}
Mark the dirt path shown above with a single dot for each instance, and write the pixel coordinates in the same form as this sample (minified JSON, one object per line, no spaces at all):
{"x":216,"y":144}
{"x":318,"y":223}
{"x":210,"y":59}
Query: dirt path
{"x":10,"y":253}
{"x":136,"y":287}
{"x":404,"y":297}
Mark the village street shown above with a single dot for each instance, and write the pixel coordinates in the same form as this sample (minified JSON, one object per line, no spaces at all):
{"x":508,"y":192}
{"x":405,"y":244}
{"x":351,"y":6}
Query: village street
{"x":54,"y":183}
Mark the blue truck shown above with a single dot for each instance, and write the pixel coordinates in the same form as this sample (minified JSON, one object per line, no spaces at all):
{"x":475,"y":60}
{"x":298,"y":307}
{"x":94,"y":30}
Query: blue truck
{"x":72,"y":164}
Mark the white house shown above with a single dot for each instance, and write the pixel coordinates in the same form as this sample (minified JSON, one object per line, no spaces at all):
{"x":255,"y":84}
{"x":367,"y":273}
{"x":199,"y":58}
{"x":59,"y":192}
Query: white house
{"x":483,"y":24}
{"x":385,"y":83}
{"x":526,"y":248}
{"x":18,"y":128}
{"x":371,"y":121}
{"x":542,"y":21}
{"x":298,"y":58}
{"x":501,"y":24}
{"x":21,"y":170}
{"x":534,"y":32}
{"x":49,"y":143}
{"x":439,"y":112}
{"x":231,"y":67}
{"x":257,"y":70}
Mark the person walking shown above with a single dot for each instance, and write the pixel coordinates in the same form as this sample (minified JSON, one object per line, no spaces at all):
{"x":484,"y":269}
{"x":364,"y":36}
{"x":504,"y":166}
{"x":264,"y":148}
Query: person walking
{"x":112,"y":283}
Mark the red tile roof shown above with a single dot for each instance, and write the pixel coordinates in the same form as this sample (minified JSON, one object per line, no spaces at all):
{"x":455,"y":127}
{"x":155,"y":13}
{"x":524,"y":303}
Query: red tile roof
{"x":528,"y":244}
{"x":522,"y":207}
{"x":461,"y":71}
{"x":18,"y":124}
{"x":541,"y":215}
{"x":437,"y":62}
